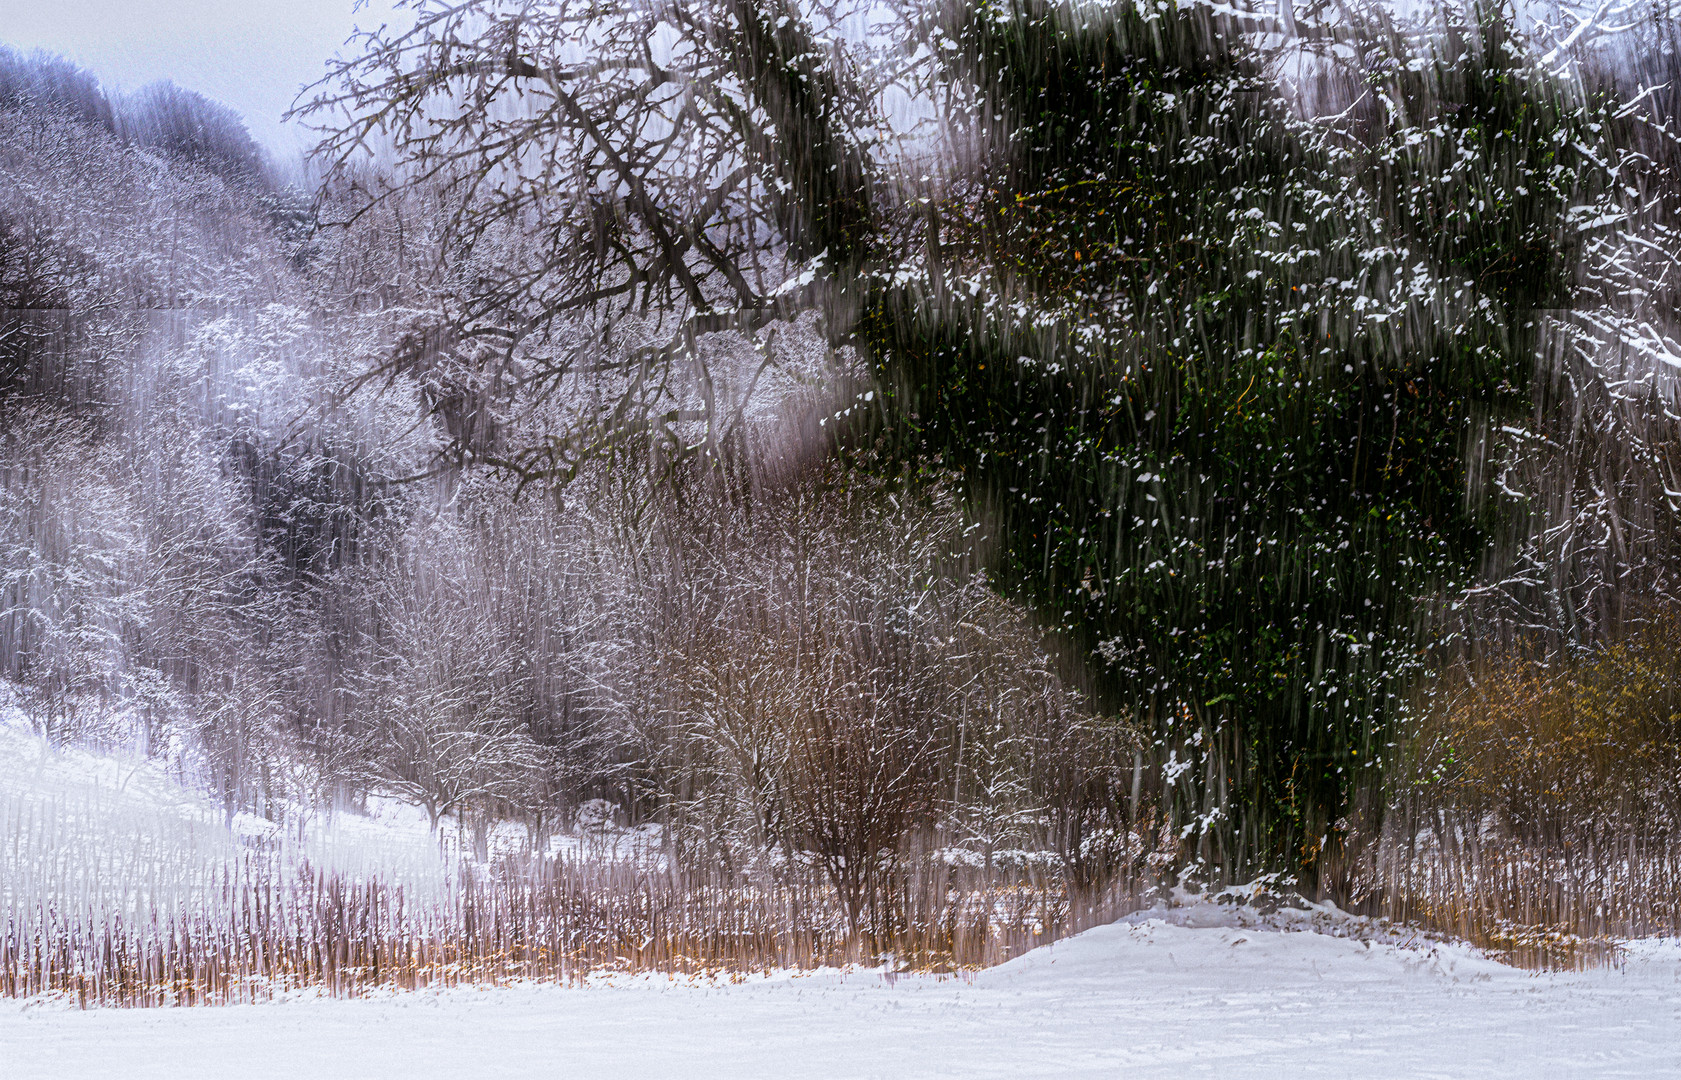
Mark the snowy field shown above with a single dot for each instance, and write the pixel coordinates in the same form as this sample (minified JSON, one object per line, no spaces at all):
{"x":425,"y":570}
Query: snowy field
{"x":1141,"y":999}
{"x":1194,"y":991}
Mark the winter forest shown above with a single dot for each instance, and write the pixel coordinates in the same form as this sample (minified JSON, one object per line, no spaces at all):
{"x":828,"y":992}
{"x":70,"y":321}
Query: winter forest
{"x":735,"y":486}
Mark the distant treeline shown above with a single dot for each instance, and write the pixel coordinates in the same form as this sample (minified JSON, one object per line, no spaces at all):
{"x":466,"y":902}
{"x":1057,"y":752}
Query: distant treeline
{"x":160,"y":116}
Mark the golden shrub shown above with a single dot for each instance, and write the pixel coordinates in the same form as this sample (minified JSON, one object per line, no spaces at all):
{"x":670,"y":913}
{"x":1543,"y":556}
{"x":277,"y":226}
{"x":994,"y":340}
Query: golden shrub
{"x":1550,"y":746}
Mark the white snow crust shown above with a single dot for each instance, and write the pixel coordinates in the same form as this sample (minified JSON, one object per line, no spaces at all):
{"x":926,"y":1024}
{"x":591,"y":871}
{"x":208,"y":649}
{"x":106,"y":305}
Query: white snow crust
{"x":1137,"y":999}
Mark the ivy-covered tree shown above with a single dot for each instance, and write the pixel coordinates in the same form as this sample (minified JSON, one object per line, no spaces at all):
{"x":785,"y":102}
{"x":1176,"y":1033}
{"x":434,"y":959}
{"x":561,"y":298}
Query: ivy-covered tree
{"x":1216,"y":373}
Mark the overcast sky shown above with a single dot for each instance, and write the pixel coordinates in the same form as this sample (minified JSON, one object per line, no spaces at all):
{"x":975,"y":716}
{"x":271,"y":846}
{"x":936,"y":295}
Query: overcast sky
{"x":250,"y":54}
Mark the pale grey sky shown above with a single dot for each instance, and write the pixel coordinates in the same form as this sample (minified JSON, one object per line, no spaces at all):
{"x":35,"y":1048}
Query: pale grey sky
{"x":250,"y":54}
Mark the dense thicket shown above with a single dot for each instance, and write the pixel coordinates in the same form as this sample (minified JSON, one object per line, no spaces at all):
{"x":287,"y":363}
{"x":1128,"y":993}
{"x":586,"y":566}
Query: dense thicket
{"x":1127,"y":470}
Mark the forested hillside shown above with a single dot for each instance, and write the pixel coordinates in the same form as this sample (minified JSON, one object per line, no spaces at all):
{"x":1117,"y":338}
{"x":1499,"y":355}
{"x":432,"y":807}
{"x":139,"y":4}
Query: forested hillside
{"x":935,"y":477}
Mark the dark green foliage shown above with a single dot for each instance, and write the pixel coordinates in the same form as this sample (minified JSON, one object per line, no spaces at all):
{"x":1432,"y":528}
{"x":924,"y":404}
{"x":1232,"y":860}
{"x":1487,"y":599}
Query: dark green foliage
{"x":1224,"y":371}
{"x":291,"y":214}
{"x":1212,"y":371}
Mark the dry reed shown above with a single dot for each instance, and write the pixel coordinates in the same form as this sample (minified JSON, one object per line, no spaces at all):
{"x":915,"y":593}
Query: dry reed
{"x":269,"y":931}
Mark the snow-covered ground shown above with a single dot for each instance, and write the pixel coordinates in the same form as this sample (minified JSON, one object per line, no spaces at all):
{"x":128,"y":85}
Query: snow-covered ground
{"x":1142,"y":999}
{"x":1200,"y":990}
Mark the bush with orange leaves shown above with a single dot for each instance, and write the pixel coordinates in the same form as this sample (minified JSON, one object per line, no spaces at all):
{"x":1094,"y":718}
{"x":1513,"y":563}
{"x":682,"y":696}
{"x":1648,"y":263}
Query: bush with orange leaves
{"x":1536,"y":805}
{"x":1550,"y":749}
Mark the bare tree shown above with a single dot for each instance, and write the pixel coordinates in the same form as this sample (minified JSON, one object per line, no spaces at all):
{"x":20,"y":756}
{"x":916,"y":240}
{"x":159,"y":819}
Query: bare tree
{"x":441,"y":701}
{"x":616,"y":183}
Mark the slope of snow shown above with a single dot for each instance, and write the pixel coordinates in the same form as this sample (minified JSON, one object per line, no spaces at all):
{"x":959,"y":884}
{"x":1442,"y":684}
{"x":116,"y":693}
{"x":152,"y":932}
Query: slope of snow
{"x":116,"y":831}
{"x":1137,"y":999}
{"x":89,"y":823}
